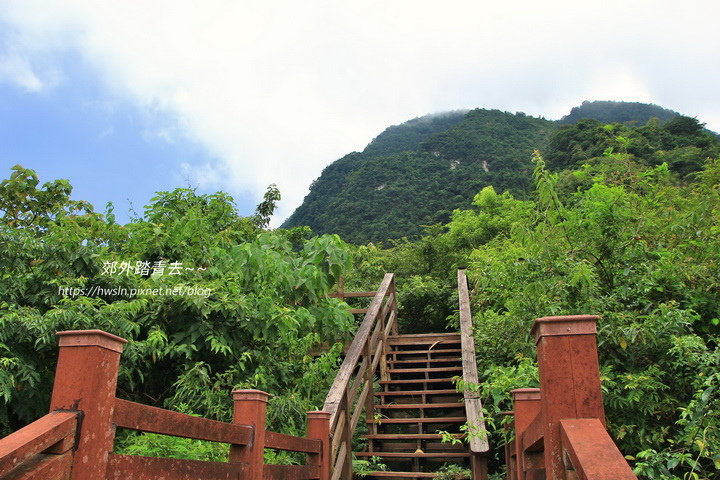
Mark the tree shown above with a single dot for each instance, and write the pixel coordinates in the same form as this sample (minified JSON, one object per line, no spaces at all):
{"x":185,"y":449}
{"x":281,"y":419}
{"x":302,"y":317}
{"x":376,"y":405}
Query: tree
{"x":26,"y":206}
{"x":208,"y":300}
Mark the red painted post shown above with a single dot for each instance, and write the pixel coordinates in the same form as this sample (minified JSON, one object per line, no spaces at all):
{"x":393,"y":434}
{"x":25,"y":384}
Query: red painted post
{"x":318,"y":428}
{"x":569,"y":379}
{"x":85,"y":380}
{"x":526,"y":407}
{"x":250,"y":407}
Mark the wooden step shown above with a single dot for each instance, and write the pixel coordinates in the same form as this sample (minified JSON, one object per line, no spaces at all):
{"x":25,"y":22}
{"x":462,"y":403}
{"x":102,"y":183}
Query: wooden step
{"x":425,"y":370}
{"x":416,"y":380}
{"x":414,"y":454}
{"x":457,"y":360}
{"x":409,"y":447}
{"x":410,"y":406}
{"x":426,"y":335}
{"x":400,"y":393}
{"x":382,"y":421}
{"x":403,"y":475}
{"x":411,"y":436}
{"x":424,"y":339}
{"x":424,"y":352}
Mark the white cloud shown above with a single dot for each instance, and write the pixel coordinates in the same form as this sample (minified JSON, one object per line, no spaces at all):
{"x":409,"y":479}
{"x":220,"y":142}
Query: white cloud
{"x":16,"y":71}
{"x":277,"y":90}
{"x":205,"y":176}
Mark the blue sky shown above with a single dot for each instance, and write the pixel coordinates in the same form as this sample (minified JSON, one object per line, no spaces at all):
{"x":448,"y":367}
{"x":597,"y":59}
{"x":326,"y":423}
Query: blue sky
{"x":128,"y":98}
{"x":111,"y":150}
{"x":73,"y":132}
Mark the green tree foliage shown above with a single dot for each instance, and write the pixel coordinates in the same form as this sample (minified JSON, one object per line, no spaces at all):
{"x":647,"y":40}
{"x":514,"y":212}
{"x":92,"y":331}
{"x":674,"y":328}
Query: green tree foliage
{"x":641,"y":256}
{"x":633,"y":242}
{"x":209,"y":301}
{"x":24,"y":206}
{"x":629,"y":113}
{"x":681,"y":143}
{"x":408,"y":136}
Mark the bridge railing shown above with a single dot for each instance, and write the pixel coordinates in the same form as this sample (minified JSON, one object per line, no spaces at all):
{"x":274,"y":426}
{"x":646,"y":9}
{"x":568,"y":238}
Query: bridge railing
{"x":351,"y":394}
{"x":75,"y":441}
{"x":479,"y":446}
{"x":560,"y":427}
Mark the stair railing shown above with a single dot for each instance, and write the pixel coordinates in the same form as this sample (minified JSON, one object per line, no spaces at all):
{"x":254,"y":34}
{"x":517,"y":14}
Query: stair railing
{"x":352,"y":391}
{"x":343,"y":296}
{"x":477,"y":433}
{"x":560,"y":427}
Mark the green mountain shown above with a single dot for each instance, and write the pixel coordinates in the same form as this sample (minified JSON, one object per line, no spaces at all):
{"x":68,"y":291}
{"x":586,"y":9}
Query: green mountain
{"x":415,"y":174}
{"x":628,"y":113}
{"x":408,"y":136}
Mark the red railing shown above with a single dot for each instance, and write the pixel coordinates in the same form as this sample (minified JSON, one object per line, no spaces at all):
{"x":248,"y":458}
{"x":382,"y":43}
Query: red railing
{"x":560,"y":427}
{"x":75,"y":441}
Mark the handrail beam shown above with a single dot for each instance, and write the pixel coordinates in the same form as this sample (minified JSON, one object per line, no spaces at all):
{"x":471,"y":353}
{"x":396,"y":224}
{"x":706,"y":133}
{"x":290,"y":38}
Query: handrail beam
{"x":534,"y":436}
{"x":589,"y":450}
{"x":473,"y":406}
{"x":22,"y":445}
{"x":135,"y":416}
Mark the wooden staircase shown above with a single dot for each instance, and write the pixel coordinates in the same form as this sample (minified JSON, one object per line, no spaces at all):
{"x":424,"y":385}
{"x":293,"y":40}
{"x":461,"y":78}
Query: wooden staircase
{"x":416,"y":401}
{"x":399,"y":390}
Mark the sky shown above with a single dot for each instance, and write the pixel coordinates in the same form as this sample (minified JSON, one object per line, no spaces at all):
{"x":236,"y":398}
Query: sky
{"x":125,"y":99}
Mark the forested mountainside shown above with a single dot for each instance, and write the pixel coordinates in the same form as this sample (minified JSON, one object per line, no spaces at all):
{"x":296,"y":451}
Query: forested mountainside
{"x":384,"y":192}
{"x":417,"y":173}
{"x":631,"y":113}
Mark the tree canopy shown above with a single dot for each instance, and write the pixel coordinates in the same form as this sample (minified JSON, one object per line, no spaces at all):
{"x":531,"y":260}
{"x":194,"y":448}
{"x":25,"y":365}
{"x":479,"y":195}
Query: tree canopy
{"x":208,"y":299}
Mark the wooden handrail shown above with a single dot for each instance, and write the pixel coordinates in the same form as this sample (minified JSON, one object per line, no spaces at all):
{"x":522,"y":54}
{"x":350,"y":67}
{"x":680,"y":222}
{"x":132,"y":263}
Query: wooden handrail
{"x":533,"y":438}
{"x":351,"y":392}
{"x":479,"y":445}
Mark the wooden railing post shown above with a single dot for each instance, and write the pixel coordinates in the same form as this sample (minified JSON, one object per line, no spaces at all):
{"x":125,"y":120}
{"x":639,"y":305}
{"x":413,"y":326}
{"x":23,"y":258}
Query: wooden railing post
{"x":368,"y":384}
{"x":341,"y":289}
{"x":569,"y":379}
{"x":250,"y":408}
{"x":347,"y":434}
{"x":393,"y":306}
{"x":318,"y":428}
{"x":526,"y":407}
{"x":85,"y":380}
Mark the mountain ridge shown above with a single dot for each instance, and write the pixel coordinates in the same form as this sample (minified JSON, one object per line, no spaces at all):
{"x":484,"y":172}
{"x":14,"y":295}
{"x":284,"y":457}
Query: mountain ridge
{"x":416,"y":173}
